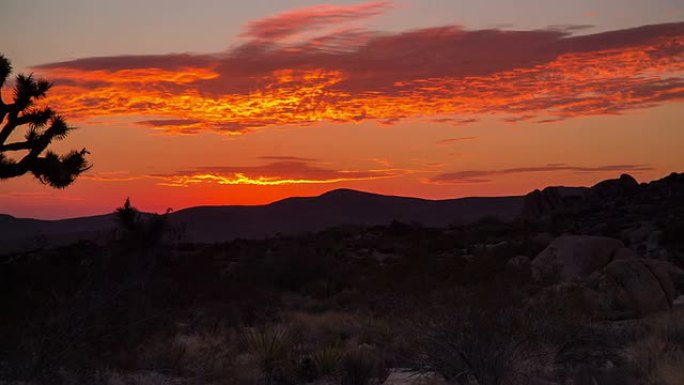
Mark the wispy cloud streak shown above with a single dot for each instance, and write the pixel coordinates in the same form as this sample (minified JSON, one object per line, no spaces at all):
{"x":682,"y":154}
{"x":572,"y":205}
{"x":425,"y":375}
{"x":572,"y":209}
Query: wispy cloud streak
{"x":303,"y":20}
{"x":485,"y":176}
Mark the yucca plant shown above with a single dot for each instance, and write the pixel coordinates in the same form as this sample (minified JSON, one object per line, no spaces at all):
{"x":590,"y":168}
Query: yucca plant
{"x":43,"y":126}
{"x":327,"y":362}
{"x":270,"y":345}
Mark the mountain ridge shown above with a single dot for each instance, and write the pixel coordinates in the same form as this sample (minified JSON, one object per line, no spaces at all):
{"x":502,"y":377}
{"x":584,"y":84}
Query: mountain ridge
{"x":289,"y":216}
{"x":299,"y":215}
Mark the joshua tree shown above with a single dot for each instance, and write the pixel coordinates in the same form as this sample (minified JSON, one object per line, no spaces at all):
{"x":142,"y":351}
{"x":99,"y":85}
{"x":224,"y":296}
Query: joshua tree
{"x":42,"y":126}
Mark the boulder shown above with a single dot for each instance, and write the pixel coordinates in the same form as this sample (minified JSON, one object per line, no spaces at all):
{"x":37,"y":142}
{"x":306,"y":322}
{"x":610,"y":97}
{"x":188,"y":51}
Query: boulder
{"x":630,"y":288}
{"x":614,"y":188}
{"x":673,"y":273}
{"x":572,"y":257}
{"x":613,"y":282}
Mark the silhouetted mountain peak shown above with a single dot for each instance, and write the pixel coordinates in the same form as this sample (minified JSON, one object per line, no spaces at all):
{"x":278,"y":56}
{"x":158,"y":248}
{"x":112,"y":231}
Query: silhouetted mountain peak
{"x":345,"y":192}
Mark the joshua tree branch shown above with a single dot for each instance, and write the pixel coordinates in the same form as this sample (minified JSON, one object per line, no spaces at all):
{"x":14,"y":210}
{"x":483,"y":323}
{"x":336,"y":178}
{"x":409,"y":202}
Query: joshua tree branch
{"x":55,"y":170}
{"x":16,"y":146}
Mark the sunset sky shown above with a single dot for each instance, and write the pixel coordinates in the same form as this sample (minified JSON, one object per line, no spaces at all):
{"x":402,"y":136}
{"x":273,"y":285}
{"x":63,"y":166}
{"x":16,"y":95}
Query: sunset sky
{"x":207,"y":102}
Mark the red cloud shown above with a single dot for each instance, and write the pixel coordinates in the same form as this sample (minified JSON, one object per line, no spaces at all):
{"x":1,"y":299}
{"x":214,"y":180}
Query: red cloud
{"x":542,"y":74}
{"x":295,"y":22}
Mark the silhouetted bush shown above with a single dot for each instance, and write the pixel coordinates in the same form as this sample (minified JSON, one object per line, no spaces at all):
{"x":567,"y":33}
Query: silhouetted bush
{"x":138,"y":230}
{"x":499,"y":346}
{"x":360,"y":366}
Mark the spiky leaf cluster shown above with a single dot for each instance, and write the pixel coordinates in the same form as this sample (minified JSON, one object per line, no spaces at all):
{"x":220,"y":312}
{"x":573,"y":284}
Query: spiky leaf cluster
{"x":42,"y":126}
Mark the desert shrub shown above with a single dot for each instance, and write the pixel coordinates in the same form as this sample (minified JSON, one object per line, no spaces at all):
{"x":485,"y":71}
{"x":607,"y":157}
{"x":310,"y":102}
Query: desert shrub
{"x":593,"y":352}
{"x":659,"y":353}
{"x":329,"y":328}
{"x":204,"y":355}
{"x":499,"y":346}
{"x":361,"y":365}
{"x":392,"y":337}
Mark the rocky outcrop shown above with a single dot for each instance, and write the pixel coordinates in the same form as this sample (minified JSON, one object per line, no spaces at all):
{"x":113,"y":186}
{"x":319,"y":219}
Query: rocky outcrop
{"x":623,"y":193}
{"x":551,"y":199}
{"x":615,"y":283}
{"x":625,"y":185}
{"x":672,"y":186}
{"x":575,"y":256}
{"x":540,"y":202}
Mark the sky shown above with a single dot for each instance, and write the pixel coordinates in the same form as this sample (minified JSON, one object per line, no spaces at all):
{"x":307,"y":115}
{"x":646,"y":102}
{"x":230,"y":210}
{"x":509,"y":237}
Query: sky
{"x":211,"y":102}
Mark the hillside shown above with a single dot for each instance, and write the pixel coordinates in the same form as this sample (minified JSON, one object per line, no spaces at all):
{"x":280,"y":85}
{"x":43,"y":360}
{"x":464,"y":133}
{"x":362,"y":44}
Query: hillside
{"x":289,"y":216}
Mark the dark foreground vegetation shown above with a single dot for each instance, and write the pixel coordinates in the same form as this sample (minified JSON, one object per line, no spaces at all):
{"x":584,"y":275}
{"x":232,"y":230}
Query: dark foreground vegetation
{"x":582,"y":289}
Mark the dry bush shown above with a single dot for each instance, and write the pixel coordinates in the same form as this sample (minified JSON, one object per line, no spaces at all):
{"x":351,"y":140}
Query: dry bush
{"x":394,"y":336}
{"x":361,"y":366}
{"x":324,"y":329}
{"x":659,"y":353}
{"x":205,"y":355}
{"x":492,"y":347}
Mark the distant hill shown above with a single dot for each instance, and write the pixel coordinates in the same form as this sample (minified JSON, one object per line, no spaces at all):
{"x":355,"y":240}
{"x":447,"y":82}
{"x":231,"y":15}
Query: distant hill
{"x":290,"y":216}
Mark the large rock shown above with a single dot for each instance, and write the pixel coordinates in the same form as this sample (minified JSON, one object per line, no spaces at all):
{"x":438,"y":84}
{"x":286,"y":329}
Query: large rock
{"x":571,"y":257}
{"x":632,"y":288}
{"x":673,"y":273}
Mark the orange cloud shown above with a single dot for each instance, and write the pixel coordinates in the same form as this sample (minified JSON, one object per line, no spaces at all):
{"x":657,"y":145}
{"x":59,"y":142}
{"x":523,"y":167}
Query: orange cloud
{"x":544,"y":75}
{"x":240,"y":178}
{"x":283,"y":170}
